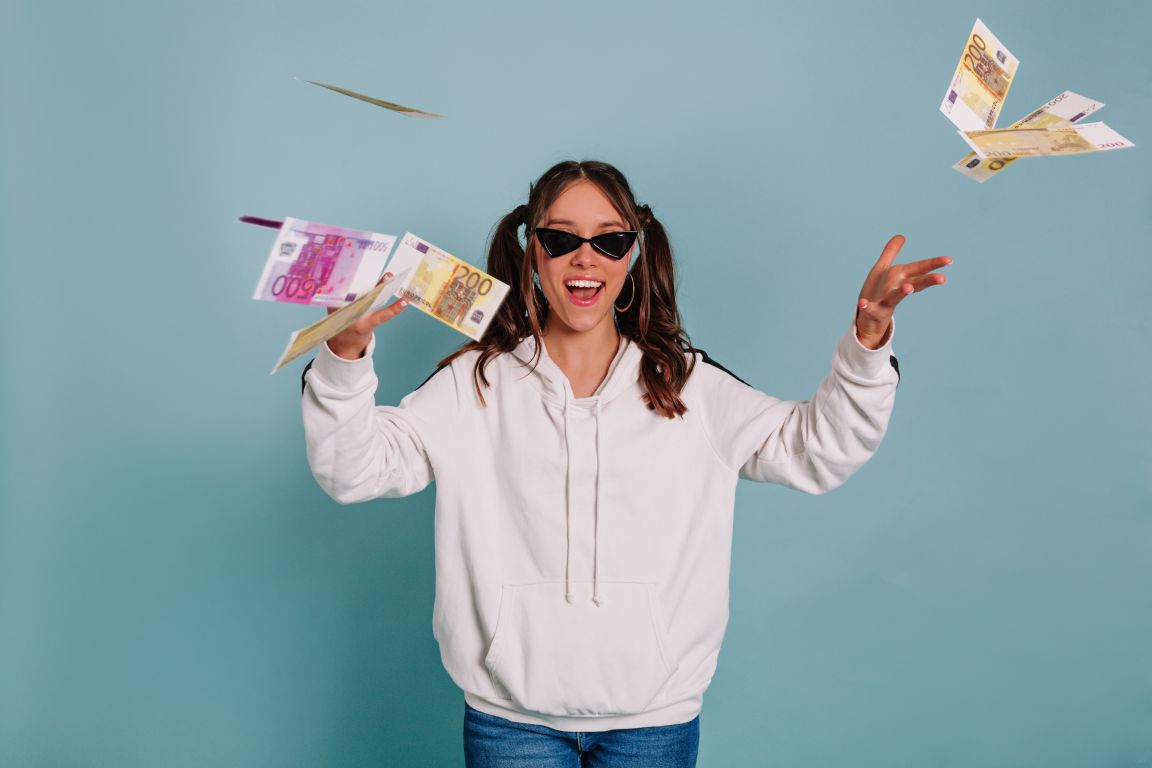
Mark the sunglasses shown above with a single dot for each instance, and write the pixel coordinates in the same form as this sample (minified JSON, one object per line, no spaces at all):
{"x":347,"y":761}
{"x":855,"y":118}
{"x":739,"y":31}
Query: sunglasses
{"x":614,"y":245}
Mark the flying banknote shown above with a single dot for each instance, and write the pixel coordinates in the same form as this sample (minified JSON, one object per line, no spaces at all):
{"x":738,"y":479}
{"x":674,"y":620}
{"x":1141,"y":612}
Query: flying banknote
{"x":976,"y":95}
{"x":410,"y":111}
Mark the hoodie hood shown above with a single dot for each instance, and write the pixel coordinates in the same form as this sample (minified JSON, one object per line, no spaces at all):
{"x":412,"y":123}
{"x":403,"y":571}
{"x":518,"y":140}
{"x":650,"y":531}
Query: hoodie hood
{"x":554,"y":386}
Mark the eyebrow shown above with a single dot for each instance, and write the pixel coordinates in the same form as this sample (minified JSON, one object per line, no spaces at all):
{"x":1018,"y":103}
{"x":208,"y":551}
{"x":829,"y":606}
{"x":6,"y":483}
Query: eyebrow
{"x":617,"y":223}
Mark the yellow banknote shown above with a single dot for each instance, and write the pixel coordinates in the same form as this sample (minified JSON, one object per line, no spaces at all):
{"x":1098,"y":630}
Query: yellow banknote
{"x":410,"y":111}
{"x":981,"y":81}
{"x":1035,"y":142}
{"x":448,"y":289}
{"x":1066,"y":109}
{"x":320,"y":331}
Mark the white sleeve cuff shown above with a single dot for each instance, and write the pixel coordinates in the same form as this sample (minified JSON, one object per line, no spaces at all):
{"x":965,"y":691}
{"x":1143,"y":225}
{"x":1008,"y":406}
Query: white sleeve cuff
{"x":341,"y":374}
{"x":862,"y":361}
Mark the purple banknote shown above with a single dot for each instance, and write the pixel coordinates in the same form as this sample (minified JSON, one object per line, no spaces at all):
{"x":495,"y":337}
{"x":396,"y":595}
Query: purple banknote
{"x":313,"y":263}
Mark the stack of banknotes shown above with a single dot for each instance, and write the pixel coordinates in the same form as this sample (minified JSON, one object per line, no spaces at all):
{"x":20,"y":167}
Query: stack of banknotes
{"x":312,"y":263}
{"x":977,"y":92}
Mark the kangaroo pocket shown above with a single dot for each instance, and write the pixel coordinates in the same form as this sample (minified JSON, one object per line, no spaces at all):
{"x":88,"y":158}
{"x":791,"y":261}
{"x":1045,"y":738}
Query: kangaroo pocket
{"x":561,"y":658}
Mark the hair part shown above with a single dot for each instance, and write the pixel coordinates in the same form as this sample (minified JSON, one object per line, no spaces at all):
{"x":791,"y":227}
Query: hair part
{"x":651,"y":320}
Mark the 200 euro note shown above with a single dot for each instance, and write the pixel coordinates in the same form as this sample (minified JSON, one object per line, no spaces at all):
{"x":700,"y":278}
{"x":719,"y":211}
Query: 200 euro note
{"x":306,"y":338}
{"x":1035,"y":142}
{"x":1066,"y":109}
{"x":447,"y":288}
{"x":312,"y":263}
{"x":981,"y":81}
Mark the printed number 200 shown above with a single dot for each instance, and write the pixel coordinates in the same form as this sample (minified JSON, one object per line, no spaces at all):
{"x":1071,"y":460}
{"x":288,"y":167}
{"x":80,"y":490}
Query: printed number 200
{"x":472,"y":280}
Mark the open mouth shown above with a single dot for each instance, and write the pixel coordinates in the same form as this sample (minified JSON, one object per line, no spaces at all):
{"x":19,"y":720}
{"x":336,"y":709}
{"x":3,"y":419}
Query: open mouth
{"x":583,"y":291}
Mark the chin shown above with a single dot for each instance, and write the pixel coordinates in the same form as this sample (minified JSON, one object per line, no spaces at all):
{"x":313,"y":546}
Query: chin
{"x":580,"y":324}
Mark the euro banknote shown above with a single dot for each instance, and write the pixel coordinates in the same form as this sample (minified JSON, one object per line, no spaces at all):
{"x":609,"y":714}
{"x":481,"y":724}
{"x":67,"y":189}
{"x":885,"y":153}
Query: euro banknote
{"x":447,"y":288}
{"x":1035,"y":142}
{"x":981,"y":81}
{"x":312,"y":263}
{"x":320,"y":331}
{"x":410,"y":111}
{"x":1066,"y":109}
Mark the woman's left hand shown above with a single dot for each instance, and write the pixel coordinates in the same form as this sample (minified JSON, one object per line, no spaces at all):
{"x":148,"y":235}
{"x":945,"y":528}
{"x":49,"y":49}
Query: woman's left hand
{"x":887,"y":285}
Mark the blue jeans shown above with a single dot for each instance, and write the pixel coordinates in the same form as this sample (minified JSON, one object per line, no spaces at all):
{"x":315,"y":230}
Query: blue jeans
{"x":493,"y":742}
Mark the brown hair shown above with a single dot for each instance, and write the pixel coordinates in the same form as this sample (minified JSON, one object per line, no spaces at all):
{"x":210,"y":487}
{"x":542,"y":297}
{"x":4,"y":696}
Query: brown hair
{"x":651,"y":319}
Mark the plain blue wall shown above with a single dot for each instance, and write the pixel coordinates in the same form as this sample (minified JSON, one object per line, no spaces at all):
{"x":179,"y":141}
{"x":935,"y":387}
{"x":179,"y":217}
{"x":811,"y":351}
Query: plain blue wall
{"x":174,"y":588}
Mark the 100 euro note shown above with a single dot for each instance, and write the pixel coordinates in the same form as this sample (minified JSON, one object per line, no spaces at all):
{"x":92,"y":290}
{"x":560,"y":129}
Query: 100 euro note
{"x":981,"y":81}
{"x":1036,"y":142}
{"x":312,"y":263}
{"x":448,"y":289}
{"x":320,"y":331}
{"x":1066,"y":109}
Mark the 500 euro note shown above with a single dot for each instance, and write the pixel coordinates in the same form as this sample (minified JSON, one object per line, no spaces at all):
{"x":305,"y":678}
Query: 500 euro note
{"x":312,"y":263}
{"x":1035,"y":142}
{"x":1066,"y":109}
{"x":447,"y":288}
{"x":981,"y":81}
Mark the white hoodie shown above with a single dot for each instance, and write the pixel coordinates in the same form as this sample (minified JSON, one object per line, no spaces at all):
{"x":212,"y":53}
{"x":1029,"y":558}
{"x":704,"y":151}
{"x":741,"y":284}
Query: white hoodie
{"x":583,"y":544}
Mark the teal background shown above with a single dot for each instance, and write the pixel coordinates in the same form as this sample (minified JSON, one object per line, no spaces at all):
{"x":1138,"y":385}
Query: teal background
{"x":175,"y":590}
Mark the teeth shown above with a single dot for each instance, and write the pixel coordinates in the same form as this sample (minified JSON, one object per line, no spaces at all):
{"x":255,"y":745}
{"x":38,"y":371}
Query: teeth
{"x":583,"y":284}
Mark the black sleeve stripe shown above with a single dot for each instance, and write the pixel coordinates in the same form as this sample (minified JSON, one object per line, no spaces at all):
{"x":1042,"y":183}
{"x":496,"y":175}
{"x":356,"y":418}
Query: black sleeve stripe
{"x":438,"y":369}
{"x":303,"y":380}
{"x":715,"y":364}
{"x":891,"y":359}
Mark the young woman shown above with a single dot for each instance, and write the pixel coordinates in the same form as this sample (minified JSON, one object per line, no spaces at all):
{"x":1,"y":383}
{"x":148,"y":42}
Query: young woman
{"x":586,"y":460}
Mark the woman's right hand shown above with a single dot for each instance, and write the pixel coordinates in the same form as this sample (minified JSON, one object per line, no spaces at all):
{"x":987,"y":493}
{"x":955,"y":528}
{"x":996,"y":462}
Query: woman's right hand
{"x":352,"y":342}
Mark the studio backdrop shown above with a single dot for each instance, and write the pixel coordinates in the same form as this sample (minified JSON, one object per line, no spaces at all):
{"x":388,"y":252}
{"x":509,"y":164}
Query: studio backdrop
{"x":175,"y":590}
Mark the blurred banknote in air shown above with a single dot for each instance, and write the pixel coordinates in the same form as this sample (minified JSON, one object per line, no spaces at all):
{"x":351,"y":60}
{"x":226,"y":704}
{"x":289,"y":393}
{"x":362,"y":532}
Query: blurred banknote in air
{"x":306,"y":338}
{"x":1036,"y":142}
{"x":1066,"y":109}
{"x":410,"y":111}
{"x":312,"y":263}
{"x":447,"y":288}
{"x":981,"y":81}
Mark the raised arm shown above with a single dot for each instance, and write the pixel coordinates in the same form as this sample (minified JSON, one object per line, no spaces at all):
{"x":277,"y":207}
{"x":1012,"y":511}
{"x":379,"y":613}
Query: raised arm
{"x":356,"y":449}
{"x":815,"y":445}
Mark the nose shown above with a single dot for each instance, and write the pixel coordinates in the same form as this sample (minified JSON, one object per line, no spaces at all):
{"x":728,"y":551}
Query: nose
{"x":584,"y":255}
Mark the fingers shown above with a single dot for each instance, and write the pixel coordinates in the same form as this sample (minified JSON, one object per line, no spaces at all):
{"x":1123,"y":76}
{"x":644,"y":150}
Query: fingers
{"x":888,"y":255}
{"x":382,"y":316}
{"x":924,"y":266}
{"x":903,"y":291}
{"x":901,"y":273}
{"x":876,"y":274}
{"x":383,"y":278}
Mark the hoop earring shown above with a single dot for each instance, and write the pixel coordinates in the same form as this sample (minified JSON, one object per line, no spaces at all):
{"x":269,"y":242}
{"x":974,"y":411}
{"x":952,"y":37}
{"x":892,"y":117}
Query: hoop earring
{"x":538,"y":292}
{"x":631,"y":298}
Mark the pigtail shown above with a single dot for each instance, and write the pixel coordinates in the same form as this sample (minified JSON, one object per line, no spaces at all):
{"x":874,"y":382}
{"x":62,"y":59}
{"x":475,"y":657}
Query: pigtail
{"x":653,"y":320}
{"x":517,"y":316}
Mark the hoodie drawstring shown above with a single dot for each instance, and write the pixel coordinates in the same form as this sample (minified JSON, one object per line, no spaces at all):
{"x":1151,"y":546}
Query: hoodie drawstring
{"x":568,"y":509}
{"x":568,"y":594}
{"x":596,"y":519}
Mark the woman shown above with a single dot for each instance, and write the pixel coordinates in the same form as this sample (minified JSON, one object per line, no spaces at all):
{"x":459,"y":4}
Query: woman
{"x":586,"y":460}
